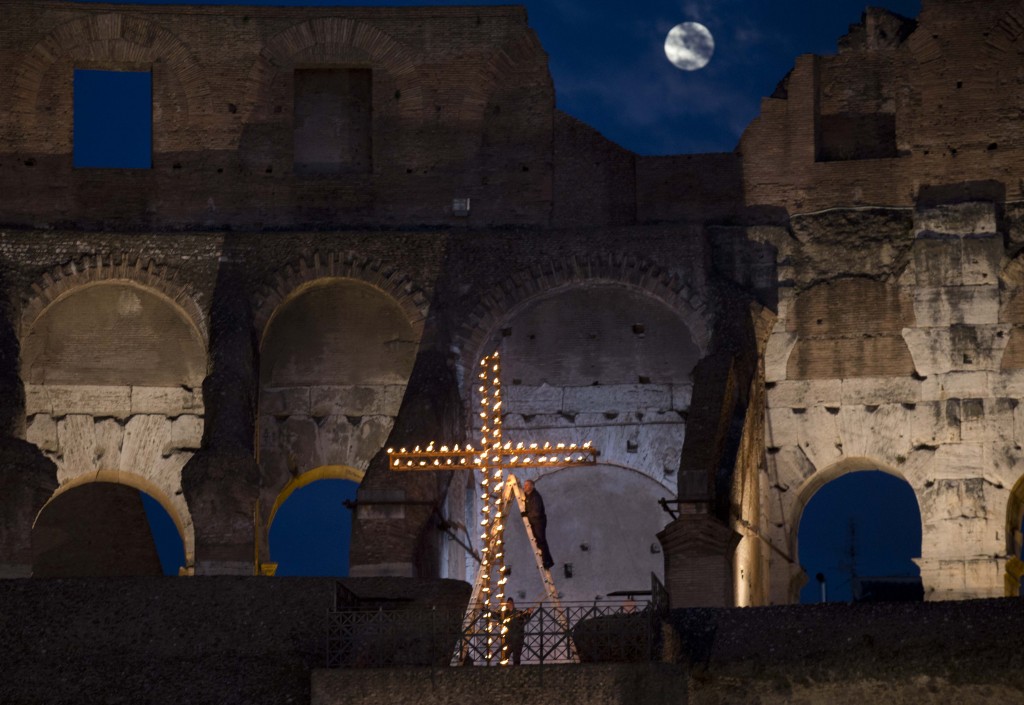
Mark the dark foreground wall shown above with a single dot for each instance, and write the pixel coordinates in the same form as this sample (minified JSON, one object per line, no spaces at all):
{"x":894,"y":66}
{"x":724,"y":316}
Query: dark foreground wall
{"x":259,"y":640}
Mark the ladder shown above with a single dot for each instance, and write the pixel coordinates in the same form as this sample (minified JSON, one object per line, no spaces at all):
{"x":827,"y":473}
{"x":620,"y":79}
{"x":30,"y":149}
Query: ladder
{"x":513,"y":489}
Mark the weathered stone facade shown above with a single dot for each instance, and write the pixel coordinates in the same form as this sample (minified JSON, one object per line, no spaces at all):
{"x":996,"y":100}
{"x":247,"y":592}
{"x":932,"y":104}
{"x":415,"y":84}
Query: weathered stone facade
{"x":731,"y":330}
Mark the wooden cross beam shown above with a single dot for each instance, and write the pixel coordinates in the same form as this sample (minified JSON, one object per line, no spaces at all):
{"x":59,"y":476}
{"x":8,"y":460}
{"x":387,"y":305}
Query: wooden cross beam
{"x":493,"y":457}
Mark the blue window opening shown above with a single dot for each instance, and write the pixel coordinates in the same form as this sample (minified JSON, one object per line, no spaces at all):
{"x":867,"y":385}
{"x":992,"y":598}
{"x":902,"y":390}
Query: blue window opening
{"x":113,"y":119}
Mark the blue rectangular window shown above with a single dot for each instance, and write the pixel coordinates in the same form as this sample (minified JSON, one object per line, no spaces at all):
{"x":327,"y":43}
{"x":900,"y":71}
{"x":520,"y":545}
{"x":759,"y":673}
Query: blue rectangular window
{"x":113,"y":119}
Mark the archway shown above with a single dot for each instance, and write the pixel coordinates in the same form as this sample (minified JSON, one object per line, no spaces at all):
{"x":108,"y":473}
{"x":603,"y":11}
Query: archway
{"x":310,"y":528}
{"x":861,"y":531}
{"x":334,"y":361}
{"x":113,"y":369}
{"x":107,"y":526}
{"x":602,"y":530}
{"x":610,"y":363}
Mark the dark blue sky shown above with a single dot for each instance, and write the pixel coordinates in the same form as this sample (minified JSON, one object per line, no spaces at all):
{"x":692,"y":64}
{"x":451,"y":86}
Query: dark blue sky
{"x":610,"y":70}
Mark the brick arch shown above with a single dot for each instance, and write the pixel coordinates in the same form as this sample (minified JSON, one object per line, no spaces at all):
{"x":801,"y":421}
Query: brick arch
{"x":523,"y":287}
{"x":111,"y":39}
{"x":64,"y":280}
{"x":331,"y":41}
{"x":296,"y":277}
{"x":488,"y":76}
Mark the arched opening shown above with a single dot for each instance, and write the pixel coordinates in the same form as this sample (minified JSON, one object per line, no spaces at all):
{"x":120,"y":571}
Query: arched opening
{"x":334,"y":362}
{"x":602,"y":532}
{"x":103,"y":529}
{"x":310,"y":527}
{"x":861,"y":532}
{"x":609,"y":363}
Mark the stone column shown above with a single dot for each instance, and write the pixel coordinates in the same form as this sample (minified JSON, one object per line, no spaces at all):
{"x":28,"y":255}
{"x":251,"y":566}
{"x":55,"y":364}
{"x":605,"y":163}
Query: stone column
{"x":395,"y":529}
{"x":27,"y":477}
{"x":699,"y":551}
{"x":221,"y":482}
{"x":722,"y":439}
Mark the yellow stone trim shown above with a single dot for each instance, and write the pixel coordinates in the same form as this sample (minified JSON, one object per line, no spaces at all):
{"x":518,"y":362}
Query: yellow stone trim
{"x":324,"y":472}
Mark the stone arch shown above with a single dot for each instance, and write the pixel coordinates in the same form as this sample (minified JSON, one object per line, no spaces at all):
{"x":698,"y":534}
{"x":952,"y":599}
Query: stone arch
{"x":630,"y":403}
{"x":62,"y":281}
{"x":338,"y":338}
{"x":297,"y":277}
{"x":332,"y":41}
{"x":324,"y":472}
{"x":109,"y":40}
{"x":602,"y":521}
{"x":174,"y":505}
{"x":518,"y":290}
{"x":807,"y":491}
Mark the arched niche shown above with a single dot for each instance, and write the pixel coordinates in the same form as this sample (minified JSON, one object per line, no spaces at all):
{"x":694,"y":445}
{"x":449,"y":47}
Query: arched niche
{"x":603,"y":523}
{"x":114,"y":333}
{"x":334,"y":361}
{"x":309,"y":527}
{"x":855,"y":519}
{"x":602,"y":362}
{"x":100,"y":526}
{"x":113,"y":374}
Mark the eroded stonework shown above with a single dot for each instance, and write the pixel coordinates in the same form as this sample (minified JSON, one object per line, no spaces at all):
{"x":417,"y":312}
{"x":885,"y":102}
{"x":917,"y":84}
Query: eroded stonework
{"x":732,"y":331}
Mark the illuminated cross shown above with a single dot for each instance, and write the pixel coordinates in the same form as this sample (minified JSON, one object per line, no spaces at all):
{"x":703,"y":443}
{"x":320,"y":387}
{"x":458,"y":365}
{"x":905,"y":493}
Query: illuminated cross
{"x":493,"y":458}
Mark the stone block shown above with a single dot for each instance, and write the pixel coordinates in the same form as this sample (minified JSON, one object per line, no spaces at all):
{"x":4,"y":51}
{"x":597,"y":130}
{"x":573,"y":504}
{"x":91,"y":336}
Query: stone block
{"x":820,"y":436}
{"x":956,"y":385}
{"x":971,"y":218}
{"x":617,"y":397}
{"x":524,"y":399}
{"x":988,"y":420}
{"x":187,"y":432}
{"x":941,"y":306}
{"x":169,"y":401}
{"x":881,"y":433}
{"x":1007,"y":383}
{"x":284,"y":401}
{"x":805,"y":393}
{"x":935,"y":422}
{"x":37,"y":400}
{"x":880,"y":390}
{"x":776,"y":356}
{"x":76,"y":440}
{"x":42,"y":432}
{"x":959,"y":461}
{"x":930,"y":348}
{"x":109,"y":440}
{"x":92,"y":400}
{"x":788,"y":469}
{"x":936,"y":261}
{"x":982,"y":259}
{"x":384,"y":399}
{"x":146,"y":443}
{"x":682,"y":396}
{"x":782,"y":427}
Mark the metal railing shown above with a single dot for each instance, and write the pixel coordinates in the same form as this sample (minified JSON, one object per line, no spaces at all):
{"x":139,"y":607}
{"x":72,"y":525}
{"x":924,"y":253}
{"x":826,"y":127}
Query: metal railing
{"x":401,"y":634}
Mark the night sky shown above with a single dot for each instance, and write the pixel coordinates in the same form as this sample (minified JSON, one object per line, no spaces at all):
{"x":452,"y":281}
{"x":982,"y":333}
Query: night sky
{"x":610,"y":71}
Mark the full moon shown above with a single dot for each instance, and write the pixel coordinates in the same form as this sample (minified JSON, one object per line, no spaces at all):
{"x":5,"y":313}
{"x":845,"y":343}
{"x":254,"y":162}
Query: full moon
{"x":689,"y":46}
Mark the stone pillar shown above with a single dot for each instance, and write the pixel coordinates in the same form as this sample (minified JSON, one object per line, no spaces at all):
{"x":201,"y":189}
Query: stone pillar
{"x":699,"y":550}
{"x":27,"y":477}
{"x":395,"y":529}
{"x":221,"y":482}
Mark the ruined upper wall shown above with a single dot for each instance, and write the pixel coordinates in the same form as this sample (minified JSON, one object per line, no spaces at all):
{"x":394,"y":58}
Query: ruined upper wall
{"x":904,"y":105}
{"x":452,"y":102}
